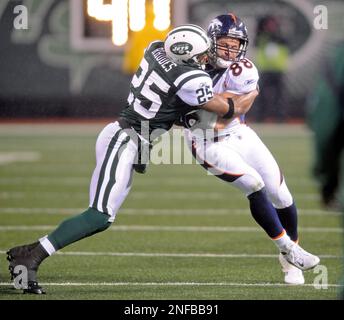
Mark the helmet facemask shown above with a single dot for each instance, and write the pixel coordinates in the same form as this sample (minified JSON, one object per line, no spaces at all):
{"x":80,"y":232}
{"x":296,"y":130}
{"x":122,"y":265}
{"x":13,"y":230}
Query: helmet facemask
{"x":199,"y":60}
{"x":221,"y":61}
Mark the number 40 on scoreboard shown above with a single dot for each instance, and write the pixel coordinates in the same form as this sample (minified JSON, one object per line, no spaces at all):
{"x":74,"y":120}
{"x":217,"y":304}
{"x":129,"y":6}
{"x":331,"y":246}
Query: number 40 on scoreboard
{"x":104,"y":25}
{"x":129,"y":14}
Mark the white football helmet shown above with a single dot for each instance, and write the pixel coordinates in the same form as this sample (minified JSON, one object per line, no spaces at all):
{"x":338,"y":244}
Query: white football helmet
{"x":188,"y":44}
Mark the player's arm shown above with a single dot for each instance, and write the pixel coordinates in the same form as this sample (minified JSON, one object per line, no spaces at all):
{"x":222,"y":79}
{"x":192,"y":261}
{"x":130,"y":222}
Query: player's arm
{"x":198,"y":92}
{"x":242,"y":103}
{"x":221,"y":104}
{"x":218,"y":104}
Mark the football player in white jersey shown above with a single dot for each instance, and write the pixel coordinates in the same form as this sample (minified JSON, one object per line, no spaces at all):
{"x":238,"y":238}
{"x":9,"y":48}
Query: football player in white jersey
{"x":234,"y":153}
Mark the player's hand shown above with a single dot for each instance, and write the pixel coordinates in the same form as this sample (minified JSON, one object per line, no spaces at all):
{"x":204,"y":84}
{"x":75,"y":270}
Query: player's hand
{"x":189,"y":119}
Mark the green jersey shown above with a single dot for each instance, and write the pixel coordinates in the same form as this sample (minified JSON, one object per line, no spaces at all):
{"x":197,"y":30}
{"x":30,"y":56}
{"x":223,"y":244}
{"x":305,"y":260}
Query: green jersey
{"x":161,"y":90}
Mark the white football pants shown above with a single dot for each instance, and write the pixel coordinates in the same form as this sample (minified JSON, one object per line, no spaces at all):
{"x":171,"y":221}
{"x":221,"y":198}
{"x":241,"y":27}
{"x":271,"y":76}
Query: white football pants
{"x":242,"y":159}
{"x":111,"y":181}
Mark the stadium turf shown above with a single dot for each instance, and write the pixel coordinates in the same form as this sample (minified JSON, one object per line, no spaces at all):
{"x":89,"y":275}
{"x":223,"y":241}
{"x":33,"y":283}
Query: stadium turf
{"x":180,"y":234}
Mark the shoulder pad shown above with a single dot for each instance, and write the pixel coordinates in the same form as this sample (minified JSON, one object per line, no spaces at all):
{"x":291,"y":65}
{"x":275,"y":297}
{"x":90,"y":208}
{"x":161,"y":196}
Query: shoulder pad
{"x":241,"y":77}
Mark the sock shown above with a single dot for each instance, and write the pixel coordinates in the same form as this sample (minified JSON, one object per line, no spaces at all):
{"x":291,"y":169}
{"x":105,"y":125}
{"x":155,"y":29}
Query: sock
{"x":265,"y":214}
{"x":288,"y":218}
{"x":76,"y":228}
{"x":283,"y":242}
{"x":47,"y":245}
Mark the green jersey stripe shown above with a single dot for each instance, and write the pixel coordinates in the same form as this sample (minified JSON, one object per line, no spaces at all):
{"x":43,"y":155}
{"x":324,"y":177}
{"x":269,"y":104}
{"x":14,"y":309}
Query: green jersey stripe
{"x":181,"y":84}
{"x":187,"y":74}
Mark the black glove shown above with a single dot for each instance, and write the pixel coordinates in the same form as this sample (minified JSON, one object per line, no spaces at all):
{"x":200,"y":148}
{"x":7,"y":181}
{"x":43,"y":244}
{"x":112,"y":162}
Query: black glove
{"x":188,"y":120}
{"x":143,"y":156}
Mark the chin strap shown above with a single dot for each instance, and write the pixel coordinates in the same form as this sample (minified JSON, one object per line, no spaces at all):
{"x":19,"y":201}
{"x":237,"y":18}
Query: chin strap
{"x":221,"y":63}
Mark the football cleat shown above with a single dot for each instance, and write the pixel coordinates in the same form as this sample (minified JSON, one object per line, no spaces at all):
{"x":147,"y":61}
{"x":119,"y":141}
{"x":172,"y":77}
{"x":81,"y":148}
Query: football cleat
{"x":292,"y":275}
{"x":30,"y":256}
{"x":300,"y":258}
{"x":34,"y":288}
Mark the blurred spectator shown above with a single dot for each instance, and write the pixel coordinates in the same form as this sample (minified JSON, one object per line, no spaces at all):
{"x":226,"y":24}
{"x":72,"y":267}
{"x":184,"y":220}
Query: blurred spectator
{"x":326,"y":119}
{"x":272,"y":62}
{"x":139,"y":40}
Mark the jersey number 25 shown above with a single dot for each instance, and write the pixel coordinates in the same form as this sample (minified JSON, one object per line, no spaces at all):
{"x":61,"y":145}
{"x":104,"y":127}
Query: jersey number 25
{"x":144,"y":83}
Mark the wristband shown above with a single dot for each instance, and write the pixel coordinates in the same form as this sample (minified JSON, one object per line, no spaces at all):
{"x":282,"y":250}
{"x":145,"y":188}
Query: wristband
{"x":230,"y":111}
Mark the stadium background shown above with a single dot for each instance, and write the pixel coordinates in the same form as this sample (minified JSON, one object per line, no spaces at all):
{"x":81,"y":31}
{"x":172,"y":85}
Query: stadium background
{"x":180,"y":234}
{"x":52,"y":70}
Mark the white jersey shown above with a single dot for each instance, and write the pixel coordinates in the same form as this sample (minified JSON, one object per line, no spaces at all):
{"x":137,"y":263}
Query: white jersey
{"x":238,"y":156}
{"x":239,"y":78}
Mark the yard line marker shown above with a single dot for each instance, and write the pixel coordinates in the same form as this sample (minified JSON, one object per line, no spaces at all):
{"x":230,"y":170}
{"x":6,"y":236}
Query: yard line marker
{"x":44,"y":181}
{"x":139,"y":195}
{"x":20,"y":156}
{"x":176,"y":255}
{"x":161,"y":212}
{"x":199,"y":181}
{"x":40,"y":211}
{"x":170,"y":228}
{"x":197,"y":284}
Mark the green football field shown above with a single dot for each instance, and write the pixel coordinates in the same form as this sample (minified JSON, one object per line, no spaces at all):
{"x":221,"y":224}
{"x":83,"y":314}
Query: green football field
{"x":180,"y":234}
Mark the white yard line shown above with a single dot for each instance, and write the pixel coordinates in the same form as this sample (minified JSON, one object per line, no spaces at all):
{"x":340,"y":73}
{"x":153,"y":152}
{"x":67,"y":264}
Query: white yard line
{"x":143,"y":195}
{"x":20,"y":156}
{"x":170,"y":228}
{"x":44,"y":181}
{"x":173,"y":284}
{"x":30,"y":211}
{"x":198,"y":181}
{"x":177,"y":255}
{"x":160,"y":212}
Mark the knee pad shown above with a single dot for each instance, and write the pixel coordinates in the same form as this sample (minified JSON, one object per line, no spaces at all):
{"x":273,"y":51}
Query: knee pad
{"x":280,"y":197}
{"x":249,"y":183}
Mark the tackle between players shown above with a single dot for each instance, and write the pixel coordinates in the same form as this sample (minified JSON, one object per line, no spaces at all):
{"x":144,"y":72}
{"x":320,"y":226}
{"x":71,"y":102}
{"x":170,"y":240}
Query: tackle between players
{"x":234,"y":152}
{"x":169,"y":82}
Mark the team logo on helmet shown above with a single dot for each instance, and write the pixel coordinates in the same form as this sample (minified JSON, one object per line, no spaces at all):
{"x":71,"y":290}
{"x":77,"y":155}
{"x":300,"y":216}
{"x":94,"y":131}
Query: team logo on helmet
{"x":215,"y":26}
{"x":181,"y":48}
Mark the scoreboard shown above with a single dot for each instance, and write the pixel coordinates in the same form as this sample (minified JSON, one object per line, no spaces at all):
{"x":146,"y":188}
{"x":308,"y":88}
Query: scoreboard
{"x":106,"y":25}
